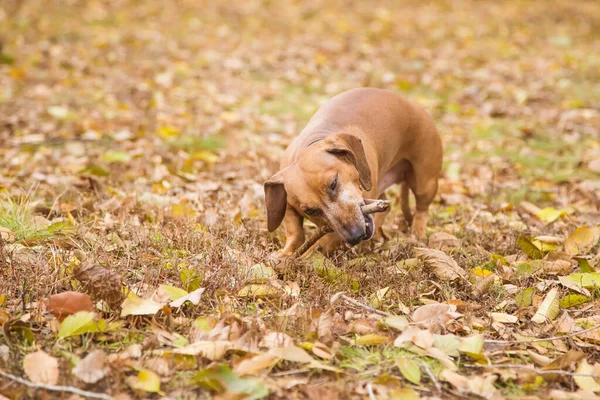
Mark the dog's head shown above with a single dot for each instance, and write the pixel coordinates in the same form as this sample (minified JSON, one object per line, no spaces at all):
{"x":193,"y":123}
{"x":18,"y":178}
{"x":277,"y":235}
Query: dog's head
{"x":325,"y":184}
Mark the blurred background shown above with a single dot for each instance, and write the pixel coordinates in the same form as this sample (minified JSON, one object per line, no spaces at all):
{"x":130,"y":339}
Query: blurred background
{"x":196,"y":100}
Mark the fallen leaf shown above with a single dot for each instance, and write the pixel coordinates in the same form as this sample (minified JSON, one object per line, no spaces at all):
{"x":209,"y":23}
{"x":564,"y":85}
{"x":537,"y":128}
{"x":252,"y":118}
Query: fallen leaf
{"x":92,"y":368}
{"x":409,"y":369}
{"x":146,"y":380}
{"x":372,"y":339}
{"x":212,"y":350}
{"x":134,"y":305}
{"x":193,"y":297}
{"x":259,"y":290}
{"x":443,"y":241}
{"x":41,"y":368}
{"x":549,"y":308}
{"x":504,"y":318}
{"x":434,"y":315}
{"x":586,"y":382}
{"x":255,"y":364}
{"x":77,"y":324}
{"x":291,"y":353}
{"x":68,"y":303}
{"x":420,"y":337}
{"x":443,"y":266}
{"x":582,"y":240}
{"x":530,"y":249}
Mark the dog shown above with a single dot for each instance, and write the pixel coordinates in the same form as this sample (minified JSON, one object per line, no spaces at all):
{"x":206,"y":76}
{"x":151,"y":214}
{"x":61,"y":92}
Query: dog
{"x":355,"y":146}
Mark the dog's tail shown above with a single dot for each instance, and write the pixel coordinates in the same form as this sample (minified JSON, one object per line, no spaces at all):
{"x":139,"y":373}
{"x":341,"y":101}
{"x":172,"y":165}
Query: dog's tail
{"x":404,"y":203}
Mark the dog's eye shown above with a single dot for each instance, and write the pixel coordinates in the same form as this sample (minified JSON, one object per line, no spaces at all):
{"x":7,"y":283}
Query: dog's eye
{"x":312,"y":212}
{"x":333,"y":184}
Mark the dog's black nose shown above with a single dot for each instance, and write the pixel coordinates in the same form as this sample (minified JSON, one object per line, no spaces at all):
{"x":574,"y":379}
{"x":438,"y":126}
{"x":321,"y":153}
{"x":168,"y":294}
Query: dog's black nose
{"x":355,"y":235}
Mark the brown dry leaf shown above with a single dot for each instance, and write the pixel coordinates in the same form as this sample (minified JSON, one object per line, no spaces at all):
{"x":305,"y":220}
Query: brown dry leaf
{"x":443,"y":241}
{"x":421,"y":337}
{"x":483,"y":286}
{"x":322,"y":350}
{"x":276,"y":339}
{"x":291,"y":353}
{"x":101,"y":282}
{"x":566,"y":360}
{"x":41,"y":368}
{"x":62,"y":305}
{"x":434,"y":316}
{"x":212,"y":350}
{"x":362,"y":326}
{"x":504,"y":318}
{"x":92,"y":368}
{"x":254,"y":365}
{"x":443,"y":266}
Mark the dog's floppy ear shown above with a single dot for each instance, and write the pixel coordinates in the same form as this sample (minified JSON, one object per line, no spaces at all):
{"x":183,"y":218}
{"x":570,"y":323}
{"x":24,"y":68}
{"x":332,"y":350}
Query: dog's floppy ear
{"x":276,"y":200}
{"x":351,"y":147}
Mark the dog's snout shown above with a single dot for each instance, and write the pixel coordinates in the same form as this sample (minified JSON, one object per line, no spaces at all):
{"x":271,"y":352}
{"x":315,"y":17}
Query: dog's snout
{"x":355,"y":235}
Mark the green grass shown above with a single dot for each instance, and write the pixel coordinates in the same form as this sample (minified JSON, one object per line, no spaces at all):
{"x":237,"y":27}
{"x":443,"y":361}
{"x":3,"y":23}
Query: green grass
{"x":18,"y":217}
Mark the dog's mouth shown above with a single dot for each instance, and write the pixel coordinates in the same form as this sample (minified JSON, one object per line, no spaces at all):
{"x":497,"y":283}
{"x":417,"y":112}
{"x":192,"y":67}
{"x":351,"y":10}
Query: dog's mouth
{"x":369,"y":227}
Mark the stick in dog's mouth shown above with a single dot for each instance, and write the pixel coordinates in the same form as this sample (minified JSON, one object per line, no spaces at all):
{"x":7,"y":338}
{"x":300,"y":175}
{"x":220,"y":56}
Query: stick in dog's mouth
{"x":371,"y":207}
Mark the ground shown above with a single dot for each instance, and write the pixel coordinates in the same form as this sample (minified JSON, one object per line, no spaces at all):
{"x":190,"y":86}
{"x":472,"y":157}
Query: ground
{"x":134,"y":140}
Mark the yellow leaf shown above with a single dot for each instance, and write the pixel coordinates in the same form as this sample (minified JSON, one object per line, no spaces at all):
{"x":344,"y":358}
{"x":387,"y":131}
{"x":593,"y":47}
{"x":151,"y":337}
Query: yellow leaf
{"x":550,"y":214}
{"x":372,"y":339}
{"x":478,"y":271}
{"x":582,"y":240}
{"x":254,"y":290}
{"x":146,"y":380}
{"x":586,"y":382}
{"x":134,"y":305}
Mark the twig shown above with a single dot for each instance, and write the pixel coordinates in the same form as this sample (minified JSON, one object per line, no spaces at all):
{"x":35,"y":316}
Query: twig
{"x":593,"y":328}
{"x":473,"y":219}
{"x":536,"y":370}
{"x":372,"y":206}
{"x":432,"y":377}
{"x":356,"y":303}
{"x":55,"y":388}
{"x":370,"y":391}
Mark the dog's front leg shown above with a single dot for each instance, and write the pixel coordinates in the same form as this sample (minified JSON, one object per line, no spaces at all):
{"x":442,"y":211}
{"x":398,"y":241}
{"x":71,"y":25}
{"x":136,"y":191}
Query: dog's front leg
{"x":294,"y":231}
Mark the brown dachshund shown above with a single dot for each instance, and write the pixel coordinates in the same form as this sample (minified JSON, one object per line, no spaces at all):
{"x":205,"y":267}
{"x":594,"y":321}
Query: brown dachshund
{"x":354,"y":147}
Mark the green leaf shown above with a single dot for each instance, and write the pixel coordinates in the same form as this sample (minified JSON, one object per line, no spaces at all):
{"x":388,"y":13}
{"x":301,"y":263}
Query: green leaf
{"x":173,"y":292}
{"x":146,"y":380}
{"x":573,"y":300}
{"x":77,"y":324}
{"x":587,"y":280}
{"x":398,"y":322}
{"x":95,"y":170}
{"x":472,"y":346}
{"x":524,"y":298}
{"x":222,"y":379}
{"x":377,"y":298}
{"x":409,"y":369}
{"x":449,"y":344}
{"x":529,"y":248}
{"x":191,"y":279}
{"x":584,"y":265}
{"x":116,"y":156}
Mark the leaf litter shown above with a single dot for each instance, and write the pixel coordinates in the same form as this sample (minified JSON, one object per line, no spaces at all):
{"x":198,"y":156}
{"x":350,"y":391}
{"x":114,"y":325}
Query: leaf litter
{"x":134,"y":254}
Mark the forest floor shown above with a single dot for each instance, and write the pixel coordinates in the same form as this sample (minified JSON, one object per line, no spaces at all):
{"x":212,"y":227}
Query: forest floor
{"x":135,"y":137}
